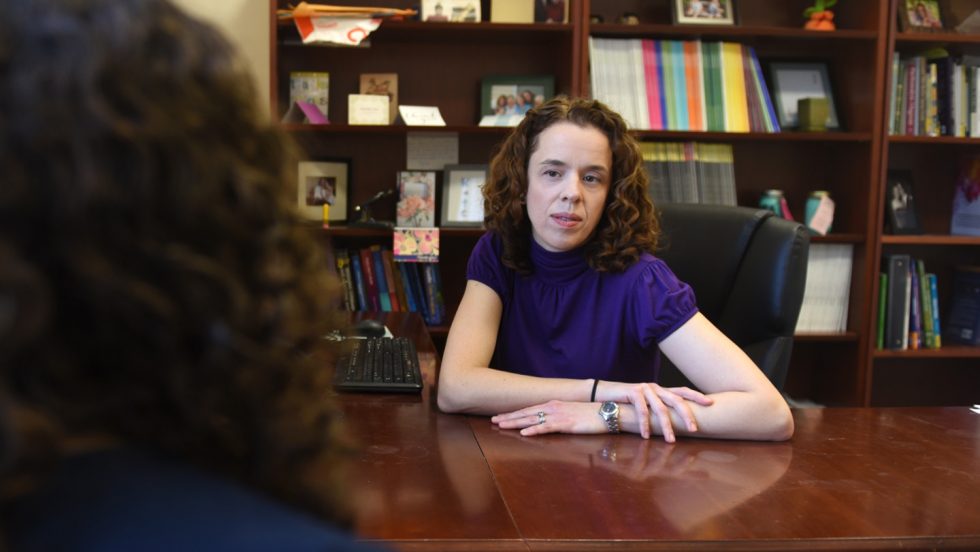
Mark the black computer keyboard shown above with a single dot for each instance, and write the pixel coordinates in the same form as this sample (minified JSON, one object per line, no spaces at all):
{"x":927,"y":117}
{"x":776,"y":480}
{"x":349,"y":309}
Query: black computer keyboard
{"x":382,"y":364}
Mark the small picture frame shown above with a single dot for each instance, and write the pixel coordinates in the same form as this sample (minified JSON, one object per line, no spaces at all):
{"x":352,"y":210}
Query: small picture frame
{"x":514,"y":95}
{"x":792,"y":81}
{"x":416,"y":199}
{"x":901,"y":216}
{"x":703,"y":12}
{"x":921,"y":16}
{"x":462,"y":195}
{"x":323,"y":182}
{"x":550,"y":11}
{"x":452,"y":11}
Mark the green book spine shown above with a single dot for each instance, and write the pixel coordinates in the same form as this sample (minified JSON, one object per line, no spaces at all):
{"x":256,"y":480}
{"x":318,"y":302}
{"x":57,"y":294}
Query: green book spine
{"x":882,"y":299}
{"x":926,"y":300}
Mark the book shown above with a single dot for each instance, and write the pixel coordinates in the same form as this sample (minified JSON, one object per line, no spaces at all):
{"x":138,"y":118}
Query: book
{"x":398,"y":300}
{"x":827,"y":290}
{"x":410,"y":298}
{"x":901,"y":216}
{"x":965,"y":220}
{"x":370,"y":280}
{"x":381,"y":279}
{"x":882,"y":301}
{"x":899,"y":290}
{"x":925,"y":302}
{"x":344,"y":272}
{"x":312,"y":87}
{"x":937,"y":341}
{"x":382,"y":84}
{"x":358,"y":275}
{"x":963,"y":320}
{"x":915,"y":306}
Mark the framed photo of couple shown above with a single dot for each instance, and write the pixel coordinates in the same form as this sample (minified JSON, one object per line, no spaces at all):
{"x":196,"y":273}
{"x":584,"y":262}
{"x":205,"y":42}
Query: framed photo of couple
{"x":920,"y":16}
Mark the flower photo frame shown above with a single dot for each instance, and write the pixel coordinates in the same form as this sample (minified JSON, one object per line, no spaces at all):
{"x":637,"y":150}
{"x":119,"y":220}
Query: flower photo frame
{"x":416,"y":199}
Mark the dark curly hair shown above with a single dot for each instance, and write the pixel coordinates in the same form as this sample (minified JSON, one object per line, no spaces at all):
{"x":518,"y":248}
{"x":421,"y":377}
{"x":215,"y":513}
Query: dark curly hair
{"x":156,"y":285}
{"x":628,"y":226}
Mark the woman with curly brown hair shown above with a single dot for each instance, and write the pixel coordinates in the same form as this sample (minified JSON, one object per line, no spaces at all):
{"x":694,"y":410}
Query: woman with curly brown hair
{"x":566,"y":307}
{"x":161,"y":308}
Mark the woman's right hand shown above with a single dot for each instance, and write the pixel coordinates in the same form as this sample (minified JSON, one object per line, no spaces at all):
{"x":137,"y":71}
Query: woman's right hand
{"x":650,"y":398}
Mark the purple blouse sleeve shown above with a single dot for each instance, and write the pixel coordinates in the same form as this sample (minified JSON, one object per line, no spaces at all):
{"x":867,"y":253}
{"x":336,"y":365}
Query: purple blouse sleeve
{"x":663,"y":303}
{"x":485,"y":267}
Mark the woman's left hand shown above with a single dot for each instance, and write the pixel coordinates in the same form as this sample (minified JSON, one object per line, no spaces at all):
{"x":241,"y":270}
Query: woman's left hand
{"x":553,"y":417}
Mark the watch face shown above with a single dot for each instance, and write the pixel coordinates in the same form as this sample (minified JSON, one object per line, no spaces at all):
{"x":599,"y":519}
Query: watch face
{"x":608,"y":407}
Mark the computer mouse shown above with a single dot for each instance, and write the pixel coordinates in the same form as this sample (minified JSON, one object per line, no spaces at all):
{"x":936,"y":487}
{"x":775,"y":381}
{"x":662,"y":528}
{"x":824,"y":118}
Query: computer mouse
{"x":368,"y":327}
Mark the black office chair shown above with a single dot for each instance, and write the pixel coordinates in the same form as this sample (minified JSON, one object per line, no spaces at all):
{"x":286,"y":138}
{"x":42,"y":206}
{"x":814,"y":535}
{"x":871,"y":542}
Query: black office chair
{"x":748,"y":270}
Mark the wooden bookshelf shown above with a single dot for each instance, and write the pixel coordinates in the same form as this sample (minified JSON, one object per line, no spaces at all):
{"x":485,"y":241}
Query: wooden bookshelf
{"x":443,"y":64}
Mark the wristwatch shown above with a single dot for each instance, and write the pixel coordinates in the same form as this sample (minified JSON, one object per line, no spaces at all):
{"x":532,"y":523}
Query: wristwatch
{"x":610,"y":414}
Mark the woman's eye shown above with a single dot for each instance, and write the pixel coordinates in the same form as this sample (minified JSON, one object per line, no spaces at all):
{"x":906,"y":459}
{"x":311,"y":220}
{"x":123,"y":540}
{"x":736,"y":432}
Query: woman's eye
{"x":552,"y":173}
{"x":593,"y":179}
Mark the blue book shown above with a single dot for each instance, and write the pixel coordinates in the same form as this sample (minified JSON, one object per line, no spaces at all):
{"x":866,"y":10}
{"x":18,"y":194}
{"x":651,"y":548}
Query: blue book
{"x":355,"y":266}
{"x":937,"y":340}
{"x":382,"y":282}
{"x":409,"y":291}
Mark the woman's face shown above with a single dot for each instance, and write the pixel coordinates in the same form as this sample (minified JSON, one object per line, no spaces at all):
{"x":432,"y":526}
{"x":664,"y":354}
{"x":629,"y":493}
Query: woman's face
{"x":568,"y":175}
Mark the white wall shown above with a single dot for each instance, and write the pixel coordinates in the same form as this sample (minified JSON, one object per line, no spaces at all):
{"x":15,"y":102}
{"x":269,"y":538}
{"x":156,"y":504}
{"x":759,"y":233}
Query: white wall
{"x":246,"y":24}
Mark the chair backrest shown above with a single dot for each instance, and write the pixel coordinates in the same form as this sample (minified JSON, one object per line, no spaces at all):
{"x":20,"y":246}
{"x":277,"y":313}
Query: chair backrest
{"x":747,"y":268}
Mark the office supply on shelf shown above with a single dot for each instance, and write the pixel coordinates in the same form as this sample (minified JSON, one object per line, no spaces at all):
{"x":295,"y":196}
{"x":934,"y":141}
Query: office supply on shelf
{"x":379,"y":364}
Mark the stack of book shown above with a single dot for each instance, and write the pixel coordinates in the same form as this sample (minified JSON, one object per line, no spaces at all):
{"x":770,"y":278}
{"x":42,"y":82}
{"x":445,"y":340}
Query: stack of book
{"x":908,"y":305}
{"x":682,"y":85}
{"x":690,"y":172}
{"x":373,"y":281}
{"x":827,"y":292}
{"x":935,"y":94}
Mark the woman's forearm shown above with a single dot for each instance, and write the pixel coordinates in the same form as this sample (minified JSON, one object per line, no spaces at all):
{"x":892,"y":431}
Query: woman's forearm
{"x":489,"y":391}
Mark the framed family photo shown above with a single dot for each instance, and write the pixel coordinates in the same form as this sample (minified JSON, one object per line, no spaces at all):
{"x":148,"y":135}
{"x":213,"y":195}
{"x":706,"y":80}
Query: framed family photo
{"x":794,"y":81}
{"x":462,"y":195}
{"x":514,"y":95}
{"x":920,"y":15}
{"x":703,"y":12}
{"x":323,"y":183}
{"x":455,"y":11}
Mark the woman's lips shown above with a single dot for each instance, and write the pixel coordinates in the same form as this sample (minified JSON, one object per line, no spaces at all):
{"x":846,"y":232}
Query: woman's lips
{"x":566,"y":220}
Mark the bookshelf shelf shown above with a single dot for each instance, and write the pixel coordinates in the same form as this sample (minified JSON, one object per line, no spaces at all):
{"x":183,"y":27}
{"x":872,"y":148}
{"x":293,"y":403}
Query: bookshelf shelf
{"x":821,"y":336}
{"x":788,"y":136}
{"x":930,"y":239}
{"x":920,"y":39}
{"x":739,"y":33}
{"x":394,"y":130}
{"x":946,"y":351}
{"x":953,"y":140}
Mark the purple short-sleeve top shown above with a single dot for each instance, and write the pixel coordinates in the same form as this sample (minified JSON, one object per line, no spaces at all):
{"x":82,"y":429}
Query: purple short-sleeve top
{"x":568,"y":320}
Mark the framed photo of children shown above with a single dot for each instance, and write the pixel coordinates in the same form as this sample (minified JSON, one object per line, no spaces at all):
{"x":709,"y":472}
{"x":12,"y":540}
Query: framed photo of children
{"x":323,"y":182}
{"x":454,"y":11}
{"x":703,"y":12}
{"x":920,"y":15}
{"x":462,"y":195}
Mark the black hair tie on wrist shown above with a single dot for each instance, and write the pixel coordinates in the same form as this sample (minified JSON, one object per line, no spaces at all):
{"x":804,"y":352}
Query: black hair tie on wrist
{"x":594,"y":387}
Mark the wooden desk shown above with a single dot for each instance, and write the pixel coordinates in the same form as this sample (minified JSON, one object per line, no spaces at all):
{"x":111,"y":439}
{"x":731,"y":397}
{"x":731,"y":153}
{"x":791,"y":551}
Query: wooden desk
{"x":851,"y":479}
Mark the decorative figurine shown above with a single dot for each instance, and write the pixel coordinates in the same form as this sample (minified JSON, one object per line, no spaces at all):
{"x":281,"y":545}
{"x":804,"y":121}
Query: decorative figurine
{"x":821,"y":18}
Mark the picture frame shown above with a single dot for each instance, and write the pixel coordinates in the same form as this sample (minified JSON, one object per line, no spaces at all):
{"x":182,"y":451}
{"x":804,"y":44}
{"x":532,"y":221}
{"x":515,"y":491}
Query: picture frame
{"x":450,"y":11}
{"x":462,"y":196}
{"x":921,"y":16}
{"x":703,"y":12}
{"x":901,"y":215}
{"x":791,"y":81}
{"x":329,"y":177}
{"x":550,"y":11}
{"x":416,"y":206}
{"x":511,"y":91}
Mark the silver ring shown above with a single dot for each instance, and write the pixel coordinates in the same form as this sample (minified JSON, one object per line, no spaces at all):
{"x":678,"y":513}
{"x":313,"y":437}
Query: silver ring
{"x":541,"y":418}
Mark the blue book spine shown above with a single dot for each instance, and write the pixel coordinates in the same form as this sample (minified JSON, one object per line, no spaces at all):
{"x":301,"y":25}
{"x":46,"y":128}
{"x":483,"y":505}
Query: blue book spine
{"x":934,"y":296}
{"x":658,"y":50}
{"x":417,"y":289}
{"x":379,"y":276}
{"x":409,"y":291}
{"x":915,"y":312}
{"x":680,"y":85}
{"x":355,"y":266}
